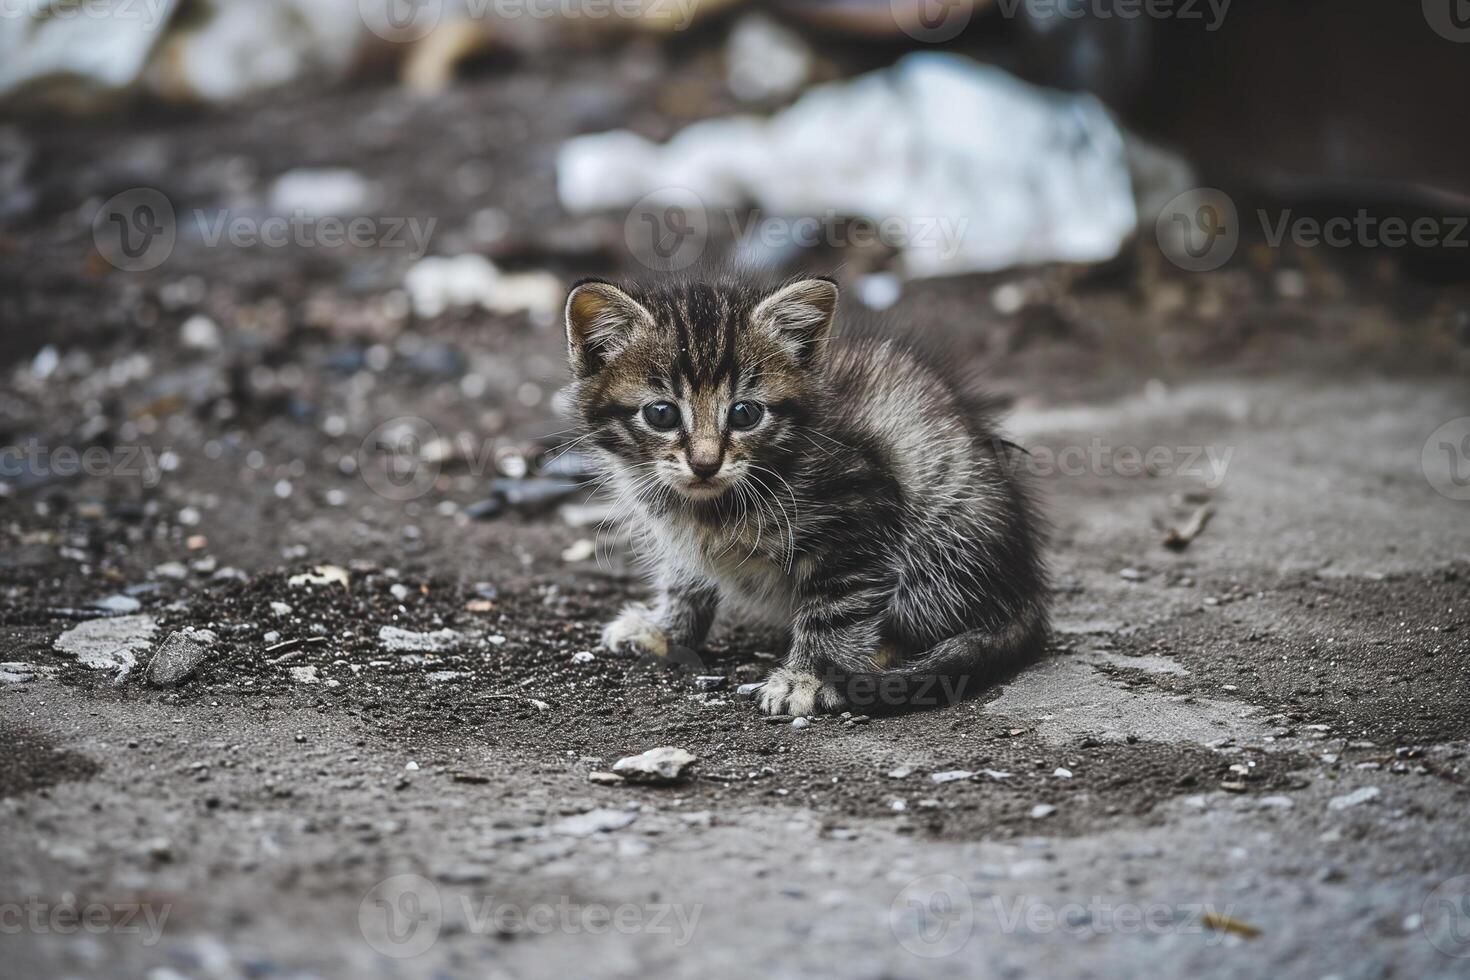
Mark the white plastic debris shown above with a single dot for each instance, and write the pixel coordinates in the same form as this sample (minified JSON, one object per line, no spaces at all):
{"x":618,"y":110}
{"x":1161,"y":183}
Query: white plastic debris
{"x":959,"y":165}
{"x":580,"y":550}
{"x":335,"y":192}
{"x":438,"y":284}
{"x":321,"y":575}
{"x":407,"y":641}
{"x":199,"y":332}
{"x":765,"y":61}
{"x":1356,"y":798}
{"x":951,"y":776}
{"x":46,"y":41}
{"x":231,"y":48}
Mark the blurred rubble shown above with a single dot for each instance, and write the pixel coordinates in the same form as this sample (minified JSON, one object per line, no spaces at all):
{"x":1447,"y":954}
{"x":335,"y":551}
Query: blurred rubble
{"x":981,"y":171}
{"x":765,"y":61}
{"x":219,"y":51}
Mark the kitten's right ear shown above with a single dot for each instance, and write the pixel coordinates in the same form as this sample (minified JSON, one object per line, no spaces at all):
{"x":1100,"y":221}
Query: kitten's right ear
{"x":600,"y":317}
{"x":801,"y":315}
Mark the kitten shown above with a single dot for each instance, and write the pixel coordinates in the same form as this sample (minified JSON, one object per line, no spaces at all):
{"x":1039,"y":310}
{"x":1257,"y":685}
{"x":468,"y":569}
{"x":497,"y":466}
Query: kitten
{"x":843,"y":487}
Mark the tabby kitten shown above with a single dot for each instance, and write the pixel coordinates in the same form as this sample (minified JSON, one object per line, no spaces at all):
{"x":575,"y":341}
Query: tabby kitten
{"x":843,"y":487}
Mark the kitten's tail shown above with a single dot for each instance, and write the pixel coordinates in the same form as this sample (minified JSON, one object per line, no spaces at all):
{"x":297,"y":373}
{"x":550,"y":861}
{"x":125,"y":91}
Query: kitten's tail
{"x":985,"y":652}
{"x":953,"y":670}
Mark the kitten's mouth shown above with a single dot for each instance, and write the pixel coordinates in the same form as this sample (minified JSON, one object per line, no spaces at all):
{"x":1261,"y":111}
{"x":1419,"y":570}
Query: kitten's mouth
{"x":704,"y":489}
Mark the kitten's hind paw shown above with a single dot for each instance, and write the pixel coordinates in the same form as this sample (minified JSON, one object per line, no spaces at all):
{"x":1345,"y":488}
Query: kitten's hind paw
{"x":791,"y":692}
{"x":635,"y":634}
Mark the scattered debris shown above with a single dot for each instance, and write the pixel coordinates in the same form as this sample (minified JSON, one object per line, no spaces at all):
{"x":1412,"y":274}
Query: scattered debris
{"x":599,"y":821}
{"x":199,"y":333}
{"x":473,"y":778}
{"x":1356,"y":798}
{"x":747,"y":692}
{"x":605,"y":778}
{"x":1062,"y":773}
{"x":800,"y":722}
{"x":710,"y":682}
{"x":436,"y":285}
{"x":1042,"y":810}
{"x":951,"y":776}
{"x":118,"y":604}
{"x":662,"y":765}
{"x":580,"y":550}
{"x":330,"y":192}
{"x":292,"y":644}
{"x":178,"y":657}
{"x":1224,"y":923}
{"x":108,"y":644}
{"x":305,"y":675}
{"x":400,"y":640}
{"x":1178,"y":538}
{"x":321,"y":575}
{"x":765,"y":61}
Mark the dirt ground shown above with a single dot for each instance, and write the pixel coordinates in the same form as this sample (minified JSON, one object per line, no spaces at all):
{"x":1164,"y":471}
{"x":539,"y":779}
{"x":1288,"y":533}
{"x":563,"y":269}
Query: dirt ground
{"x":1247,"y":757}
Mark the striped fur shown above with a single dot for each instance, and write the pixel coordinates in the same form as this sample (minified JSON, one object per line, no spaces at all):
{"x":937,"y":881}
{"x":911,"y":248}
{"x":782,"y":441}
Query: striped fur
{"x":871,"y":511}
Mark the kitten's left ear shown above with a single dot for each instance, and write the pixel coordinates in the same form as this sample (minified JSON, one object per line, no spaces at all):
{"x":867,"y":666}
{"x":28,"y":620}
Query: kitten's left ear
{"x":801,"y":314}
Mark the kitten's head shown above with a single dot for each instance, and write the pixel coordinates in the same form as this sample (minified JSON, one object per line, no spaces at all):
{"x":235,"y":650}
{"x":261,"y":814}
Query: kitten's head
{"x":697,"y":386}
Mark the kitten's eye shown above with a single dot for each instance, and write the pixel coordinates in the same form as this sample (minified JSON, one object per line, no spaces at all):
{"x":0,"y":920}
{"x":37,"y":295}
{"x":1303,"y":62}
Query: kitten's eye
{"x":661,"y":415}
{"x":744,"y":415}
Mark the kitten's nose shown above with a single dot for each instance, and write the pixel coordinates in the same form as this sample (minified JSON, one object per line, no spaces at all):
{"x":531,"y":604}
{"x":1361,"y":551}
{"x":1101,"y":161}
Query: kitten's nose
{"x":704,"y":468}
{"x":705,"y":458}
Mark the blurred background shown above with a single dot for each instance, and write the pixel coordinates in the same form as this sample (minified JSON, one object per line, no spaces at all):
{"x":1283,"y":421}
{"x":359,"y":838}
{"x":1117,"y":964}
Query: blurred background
{"x":280,"y":338}
{"x":308,"y":196}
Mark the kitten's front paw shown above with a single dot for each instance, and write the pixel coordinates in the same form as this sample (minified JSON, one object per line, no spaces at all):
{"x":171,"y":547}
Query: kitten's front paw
{"x":790,"y":692}
{"x":634,"y":634}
